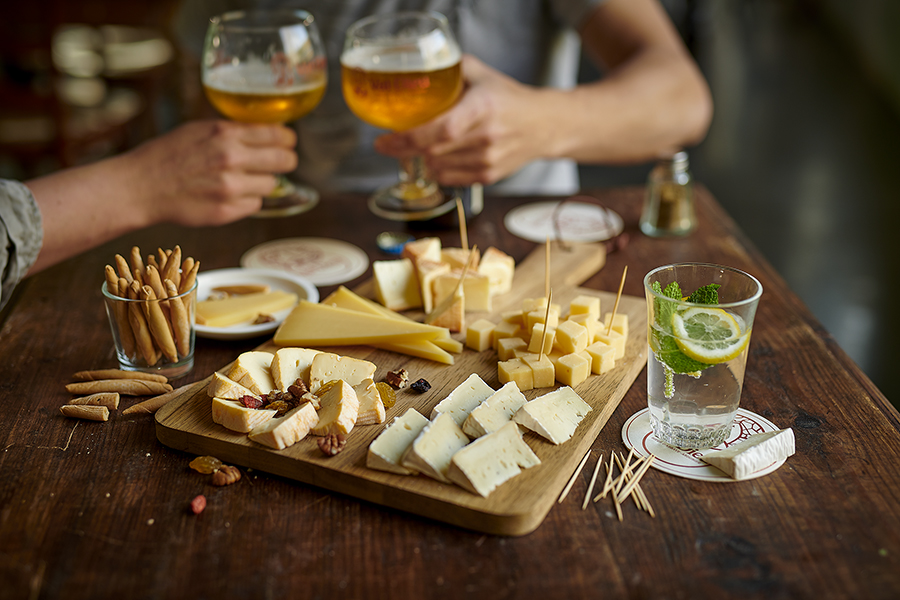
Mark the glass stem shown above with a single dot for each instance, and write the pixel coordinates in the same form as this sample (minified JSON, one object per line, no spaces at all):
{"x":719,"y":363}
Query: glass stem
{"x":415,"y":181}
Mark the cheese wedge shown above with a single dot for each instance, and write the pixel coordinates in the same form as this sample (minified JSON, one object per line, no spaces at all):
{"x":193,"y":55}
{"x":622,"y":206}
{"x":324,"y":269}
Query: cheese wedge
{"x":233,"y":415}
{"x":291,"y":364}
{"x":450,"y":313}
{"x":386,"y":451}
{"x":499,"y":268}
{"x":423,"y":249}
{"x":327,"y":367}
{"x":555,"y":415}
{"x":223,"y":387}
{"x":758,"y":451}
{"x":239,"y":309}
{"x":428,"y":271}
{"x":495,"y":412}
{"x":338,"y":412}
{"x":396,"y":284}
{"x":371,"y":408}
{"x":463,"y":399}
{"x":251,"y":370}
{"x":457,"y":257}
{"x":281,"y":432}
{"x":431,"y":451}
{"x":491,"y":460}
{"x":476,"y":288}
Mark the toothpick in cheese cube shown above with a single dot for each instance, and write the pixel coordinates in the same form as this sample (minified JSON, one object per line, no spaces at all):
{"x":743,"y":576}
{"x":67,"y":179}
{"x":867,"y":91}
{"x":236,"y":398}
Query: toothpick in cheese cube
{"x":541,"y":340}
{"x":620,"y":323}
{"x":543,"y":373}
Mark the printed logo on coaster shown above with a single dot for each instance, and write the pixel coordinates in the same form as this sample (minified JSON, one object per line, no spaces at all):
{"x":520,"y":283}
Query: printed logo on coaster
{"x":322,"y":261}
{"x":578,"y":222}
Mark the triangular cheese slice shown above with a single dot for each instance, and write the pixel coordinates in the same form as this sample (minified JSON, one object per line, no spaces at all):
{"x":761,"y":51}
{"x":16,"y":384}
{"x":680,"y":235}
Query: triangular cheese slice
{"x":491,"y":460}
{"x":251,"y":370}
{"x":386,"y":452}
{"x":431,"y":451}
{"x":338,"y":412}
{"x":287,"y":430}
{"x":223,"y":387}
{"x":371,"y":408}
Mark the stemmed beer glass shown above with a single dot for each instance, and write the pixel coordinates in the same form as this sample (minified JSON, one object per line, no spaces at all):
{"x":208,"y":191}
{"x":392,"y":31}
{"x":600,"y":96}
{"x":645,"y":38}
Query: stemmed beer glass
{"x":266,"y":66}
{"x":400,"y":70}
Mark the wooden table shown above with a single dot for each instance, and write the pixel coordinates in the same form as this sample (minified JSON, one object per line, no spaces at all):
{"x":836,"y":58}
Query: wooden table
{"x":96,"y":510}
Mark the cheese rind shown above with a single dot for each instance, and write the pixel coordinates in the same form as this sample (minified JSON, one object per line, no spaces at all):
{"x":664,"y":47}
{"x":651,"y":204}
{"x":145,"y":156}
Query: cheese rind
{"x":326,"y":367}
{"x":223,"y":387}
{"x":499,"y":267}
{"x":494,"y":412}
{"x":386,"y":451}
{"x":371,"y":408}
{"x":491,"y":460}
{"x":237,"y":417}
{"x":282,"y":432}
{"x":338,"y":412}
{"x":463,"y":399}
{"x":290,"y":364}
{"x":431,"y":451}
{"x":743,"y":459}
{"x":554,"y":415}
{"x":252,"y":370}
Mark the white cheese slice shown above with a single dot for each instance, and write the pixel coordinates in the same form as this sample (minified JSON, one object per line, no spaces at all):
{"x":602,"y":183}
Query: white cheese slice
{"x":251,"y":369}
{"x":555,"y":415}
{"x":286,"y":431}
{"x":431,"y":451}
{"x":338,"y":410}
{"x":386,"y":451}
{"x":757,"y":452}
{"x":237,"y":417}
{"x":396,"y":284}
{"x":327,"y":367}
{"x":491,"y":460}
{"x":223,"y":387}
{"x":291,"y":364}
{"x":494,"y":412}
{"x":463,"y":399}
{"x":371,"y":408}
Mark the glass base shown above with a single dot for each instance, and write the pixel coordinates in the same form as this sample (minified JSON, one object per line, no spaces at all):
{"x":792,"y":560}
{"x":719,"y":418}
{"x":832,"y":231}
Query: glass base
{"x":288,"y":199}
{"x":167,"y":369}
{"x":689,"y":437}
{"x":388,"y":204}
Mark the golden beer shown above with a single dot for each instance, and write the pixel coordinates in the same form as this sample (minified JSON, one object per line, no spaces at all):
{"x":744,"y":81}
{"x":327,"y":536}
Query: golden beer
{"x":400,"y":100}
{"x":254,"y":94}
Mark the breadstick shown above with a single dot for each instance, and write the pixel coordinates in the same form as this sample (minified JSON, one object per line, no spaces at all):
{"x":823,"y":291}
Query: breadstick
{"x":162,"y":259}
{"x":142,"y":337}
{"x":151,"y":405}
{"x":137,"y":264}
{"x":173,"y":264}
{"x":124,"y":270}
{"x":120,"y":312}
{"x":128,"y":387}
{"x":186,"y":267}
{"x":151,"y":260}
{"x":181,"y":324}
{"x":187,"y":279}
{"x":154,"y":280}
{"x":91,"y":413}
{"x":158,"y":323}
{"x":108,"y":399}
{"x":117,"y":374}
{"x":112,"y":280}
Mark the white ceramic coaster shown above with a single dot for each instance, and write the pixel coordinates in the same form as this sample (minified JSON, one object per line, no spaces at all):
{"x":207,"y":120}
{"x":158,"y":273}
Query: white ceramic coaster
{"x":322,"y":261}
{"x":578,"y":222}
{"x":637,"y":434}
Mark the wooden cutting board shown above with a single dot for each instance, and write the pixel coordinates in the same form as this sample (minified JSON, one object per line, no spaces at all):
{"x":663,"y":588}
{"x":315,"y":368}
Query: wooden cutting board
{"x":515,"y":508}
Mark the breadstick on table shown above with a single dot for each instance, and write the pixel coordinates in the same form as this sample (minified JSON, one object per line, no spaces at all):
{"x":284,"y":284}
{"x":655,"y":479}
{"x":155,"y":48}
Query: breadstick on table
{"x":158,"y":323}
{"x":181,"y":323}
{"x":151,"y":405}
{"x":91,"y":413}
{"x":173,"y":266}
{"x":108,"y":399}
{"x":117,"y":374}
{"x":123,"y":268}
{"x":128,"y":387}
{"x":137,"y":265}
{"x":143,"y":340}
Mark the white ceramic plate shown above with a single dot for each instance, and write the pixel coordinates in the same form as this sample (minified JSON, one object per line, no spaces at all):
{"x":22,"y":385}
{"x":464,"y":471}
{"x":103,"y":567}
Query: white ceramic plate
{"x":276,"y":280}
{"x":323,"y":261}
{"x":578,"y":222}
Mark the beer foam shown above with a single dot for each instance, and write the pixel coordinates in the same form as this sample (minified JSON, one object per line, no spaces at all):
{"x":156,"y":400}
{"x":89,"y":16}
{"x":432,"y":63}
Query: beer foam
{"x":429,"y":53}
{"x":255,"y":78}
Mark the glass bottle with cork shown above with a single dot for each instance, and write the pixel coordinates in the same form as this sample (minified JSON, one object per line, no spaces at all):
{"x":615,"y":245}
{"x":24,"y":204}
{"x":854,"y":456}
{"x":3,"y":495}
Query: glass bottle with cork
{"x":669,"y":203}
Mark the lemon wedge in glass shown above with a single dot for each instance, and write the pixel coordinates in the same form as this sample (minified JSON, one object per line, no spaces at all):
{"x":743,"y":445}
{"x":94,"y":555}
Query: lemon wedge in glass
{"x":708,"y":335}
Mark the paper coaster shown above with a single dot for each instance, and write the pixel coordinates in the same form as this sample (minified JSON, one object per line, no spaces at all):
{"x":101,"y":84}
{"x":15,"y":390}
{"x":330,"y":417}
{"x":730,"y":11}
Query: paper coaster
{"x":322,"y":261}
{"x":638,"y":435}
{"x":578,"y":222}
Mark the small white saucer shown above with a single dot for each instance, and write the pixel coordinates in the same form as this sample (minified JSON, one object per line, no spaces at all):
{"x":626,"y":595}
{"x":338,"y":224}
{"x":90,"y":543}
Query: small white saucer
{"x":323,"y":261}
{"x":578,"y":222}
{"x":276,"y":280}
{"x":637,"y":435}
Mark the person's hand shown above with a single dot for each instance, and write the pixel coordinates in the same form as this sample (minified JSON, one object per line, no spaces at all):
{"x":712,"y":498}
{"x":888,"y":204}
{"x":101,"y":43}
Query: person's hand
{"x":211,"y":172}
{"x":494,"y":129}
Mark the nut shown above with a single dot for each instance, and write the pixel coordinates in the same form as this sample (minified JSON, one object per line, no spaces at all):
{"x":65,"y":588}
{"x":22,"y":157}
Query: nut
{"x":262,"y":318}
{"x":312,"y":399}
{"x":397,"y":379}
{"x":332,"y":444}
{"x":226,"y":475}
{"x":298,"y":388}
{"x":198,"y":504}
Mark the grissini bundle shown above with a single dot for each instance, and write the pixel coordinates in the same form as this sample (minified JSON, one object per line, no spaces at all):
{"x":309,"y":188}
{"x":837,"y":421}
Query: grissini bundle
{"x":120,"y":312}
{"x":158,"y":323}
{"x":142,"y":336}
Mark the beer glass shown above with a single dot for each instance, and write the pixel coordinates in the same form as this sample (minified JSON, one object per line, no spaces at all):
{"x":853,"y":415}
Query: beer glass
{"x":398,"y":71}
{"x":266,"y":66}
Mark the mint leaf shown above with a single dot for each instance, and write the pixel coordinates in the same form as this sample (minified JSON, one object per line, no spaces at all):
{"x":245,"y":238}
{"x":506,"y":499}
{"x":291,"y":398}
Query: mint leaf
{"x":666,"y":348}
{"x":708,"y":294}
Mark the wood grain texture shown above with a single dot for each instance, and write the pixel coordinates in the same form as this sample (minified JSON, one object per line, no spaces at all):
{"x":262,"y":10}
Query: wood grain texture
{"x":515,"y":508}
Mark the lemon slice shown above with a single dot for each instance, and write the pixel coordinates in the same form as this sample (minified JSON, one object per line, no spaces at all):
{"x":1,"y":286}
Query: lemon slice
{"x":708,"y":335}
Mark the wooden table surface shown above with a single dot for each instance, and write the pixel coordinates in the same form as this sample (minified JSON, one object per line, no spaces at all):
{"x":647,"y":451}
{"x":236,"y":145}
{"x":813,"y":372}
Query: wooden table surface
{"x":98,"y":510}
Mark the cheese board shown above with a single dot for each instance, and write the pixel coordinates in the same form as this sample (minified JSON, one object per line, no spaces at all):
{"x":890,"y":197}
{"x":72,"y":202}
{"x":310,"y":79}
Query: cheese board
{"x":515,"y":508}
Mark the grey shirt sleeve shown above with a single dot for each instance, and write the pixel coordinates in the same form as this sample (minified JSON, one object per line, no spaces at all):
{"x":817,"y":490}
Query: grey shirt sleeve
{"x":21,"y":235}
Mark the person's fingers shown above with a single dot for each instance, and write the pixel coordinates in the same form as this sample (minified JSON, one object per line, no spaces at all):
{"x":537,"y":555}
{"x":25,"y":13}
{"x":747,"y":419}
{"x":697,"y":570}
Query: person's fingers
{"x":266,"y":135}
{"x":269,"y":160}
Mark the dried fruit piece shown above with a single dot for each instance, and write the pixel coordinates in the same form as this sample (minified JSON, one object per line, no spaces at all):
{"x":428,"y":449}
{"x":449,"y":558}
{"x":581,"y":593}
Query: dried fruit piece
{"x":332,"y":443}
{"x":206,"y":464}
{"x":198,"y":504}
{"x":226,"y":476}
{"x":251,"y":401}
{"x":323,"y":389}
{"x":421,"y":386}
{"x":397,"y":379}
{"x":388,"y":397}
{"x":279,"y":405}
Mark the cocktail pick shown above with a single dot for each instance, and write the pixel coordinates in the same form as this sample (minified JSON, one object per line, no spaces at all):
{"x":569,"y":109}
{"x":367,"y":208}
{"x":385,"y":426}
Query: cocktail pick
{"x":547,"y":267}
{"x":463,"y":233}
{"x":618,"y":296}
{"x":546,"y":318}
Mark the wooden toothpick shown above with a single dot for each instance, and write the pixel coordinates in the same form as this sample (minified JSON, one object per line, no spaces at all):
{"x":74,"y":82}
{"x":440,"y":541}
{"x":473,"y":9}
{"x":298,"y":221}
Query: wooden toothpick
{"x":618,"y":296}
{"x":463,"y":233}
{"x":569,"y":485}
{"x":547,"y":267}
{"x":546,"y":318}
{"x":590,"y":490}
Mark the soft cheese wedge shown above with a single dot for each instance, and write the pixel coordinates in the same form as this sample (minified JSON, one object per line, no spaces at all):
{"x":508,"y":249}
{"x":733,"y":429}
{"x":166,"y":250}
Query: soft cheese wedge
{"x":463,"y":399}
{"x":237,"y":417}
{"x":223,"y":387}
{"x":327,"y":367}
{"x":239,"y":309}
{"x":338,"y":412}
{"x":494,"y":412}
{"x":431,"y":451}
{"x":281,"y":432}
{"x":491,"y":460}
{"x":371,"y":408}
{"x":555,"y":415}
{"x":386,"y":451}
{"x":291,"y":364}
{"x":251,"y":370}
{"x":743,"y":459}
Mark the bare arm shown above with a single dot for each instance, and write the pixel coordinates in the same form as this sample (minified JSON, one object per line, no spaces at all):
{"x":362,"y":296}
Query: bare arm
{"x":652,"y":101}
{"x":203,"y":173}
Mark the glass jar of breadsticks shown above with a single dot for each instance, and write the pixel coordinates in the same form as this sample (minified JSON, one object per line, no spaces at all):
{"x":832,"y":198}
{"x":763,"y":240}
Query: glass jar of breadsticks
{"x":151,"y":305}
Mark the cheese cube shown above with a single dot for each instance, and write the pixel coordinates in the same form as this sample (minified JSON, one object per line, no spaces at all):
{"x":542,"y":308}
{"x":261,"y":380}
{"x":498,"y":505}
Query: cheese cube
{"x":491,"y":460}
{"x":371,"y":408}
{"x":222,"y":387}
{"x":505,"y":329}
{"x":541,"y":341}
{"x":386,"y":451}
{"x":495,"y":411}
{"x":507,"y":347}
{"x":478,"y":335}
{"x":326,"y":367}
{"x":543,"y":373}
{"x":588,"y":322}
{"x":571,"y":337}
{"x":463,"y":399}
{"x":603,"y":357}
{"x":431,"y":451}
{"x":758,"y":451}
{"x":396,"y":284}
{"x":457,"y":258}
{"x":339,"y":410}
{"x":291,"y":364}
{"x":512,"y":316}
{"x":517,"y":371}
{"x":251,"y":370}
{"x":233,"y":415}
{"x":572,"y":369}
{"x":282,"y":432}
{"x":555,"y":415}
{"x":620,"y":323}
{"x":585,"y":305}
{"x":428,"y":271}
{"x":614,"y":339}
{"x":499,"y":268}
{"x":423,"y":249}
{"x":449,"y":313}
{"x":539,"y":316}
{"x":475,"y":287}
